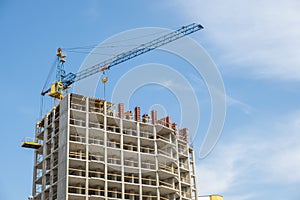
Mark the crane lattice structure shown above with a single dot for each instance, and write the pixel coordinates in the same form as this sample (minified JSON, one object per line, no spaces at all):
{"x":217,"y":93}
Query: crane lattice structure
{"x":64,"y":81}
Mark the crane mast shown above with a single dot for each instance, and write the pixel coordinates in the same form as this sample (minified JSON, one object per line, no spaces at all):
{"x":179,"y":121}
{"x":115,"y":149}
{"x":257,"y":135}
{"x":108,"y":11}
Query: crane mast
{"x":64,"y":81}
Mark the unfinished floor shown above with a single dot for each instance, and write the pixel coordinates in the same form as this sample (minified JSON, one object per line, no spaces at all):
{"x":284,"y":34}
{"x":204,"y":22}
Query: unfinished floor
{"x":91,"y":151}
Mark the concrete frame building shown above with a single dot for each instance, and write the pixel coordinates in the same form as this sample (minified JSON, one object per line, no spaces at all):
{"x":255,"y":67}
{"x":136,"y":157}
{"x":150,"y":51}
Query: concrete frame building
{"x":92,"y":152}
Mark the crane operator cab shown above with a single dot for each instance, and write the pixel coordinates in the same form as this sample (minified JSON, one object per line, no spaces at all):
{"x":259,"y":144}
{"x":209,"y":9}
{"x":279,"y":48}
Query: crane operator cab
{"x":56,"y":90}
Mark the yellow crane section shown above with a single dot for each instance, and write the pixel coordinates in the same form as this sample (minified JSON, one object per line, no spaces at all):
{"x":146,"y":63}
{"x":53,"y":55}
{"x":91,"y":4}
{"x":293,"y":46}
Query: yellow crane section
{"x":216,"y":197}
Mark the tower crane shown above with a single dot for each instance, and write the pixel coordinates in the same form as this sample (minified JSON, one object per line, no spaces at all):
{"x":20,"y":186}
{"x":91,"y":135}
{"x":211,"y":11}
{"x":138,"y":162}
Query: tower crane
{"x":64,"y":81}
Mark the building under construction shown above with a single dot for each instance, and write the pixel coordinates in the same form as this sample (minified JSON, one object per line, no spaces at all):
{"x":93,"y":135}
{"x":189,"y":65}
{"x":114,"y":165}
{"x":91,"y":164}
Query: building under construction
{"x":89,"y":150}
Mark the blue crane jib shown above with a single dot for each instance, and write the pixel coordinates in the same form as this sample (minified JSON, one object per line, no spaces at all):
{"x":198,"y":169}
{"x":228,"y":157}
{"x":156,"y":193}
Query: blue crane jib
{"x":64,"y":81}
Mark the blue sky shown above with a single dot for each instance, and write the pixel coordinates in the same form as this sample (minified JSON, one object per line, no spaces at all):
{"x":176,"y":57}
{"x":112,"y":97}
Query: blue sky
{"x":255,"y":45}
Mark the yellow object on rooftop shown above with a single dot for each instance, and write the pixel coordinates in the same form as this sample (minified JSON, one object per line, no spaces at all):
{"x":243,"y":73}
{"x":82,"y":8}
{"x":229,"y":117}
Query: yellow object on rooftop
{"x":216,"y":197}
{"x":31,"y":143}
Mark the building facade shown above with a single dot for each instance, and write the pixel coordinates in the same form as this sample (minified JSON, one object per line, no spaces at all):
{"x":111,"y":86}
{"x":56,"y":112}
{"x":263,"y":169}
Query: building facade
{"x":91,"y":151}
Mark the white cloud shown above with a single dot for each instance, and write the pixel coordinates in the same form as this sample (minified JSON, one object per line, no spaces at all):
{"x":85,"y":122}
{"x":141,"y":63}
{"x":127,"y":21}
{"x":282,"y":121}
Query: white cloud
{"x":266,"y":156}
{"x":212,"y":178}
{"x":262,"y":35}
{"x":246,"y":108}
{"x":284,"y":163}
{"x":183,"y":86}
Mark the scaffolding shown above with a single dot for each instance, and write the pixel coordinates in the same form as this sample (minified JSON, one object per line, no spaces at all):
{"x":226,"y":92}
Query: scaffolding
{"x":32,"y":143}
